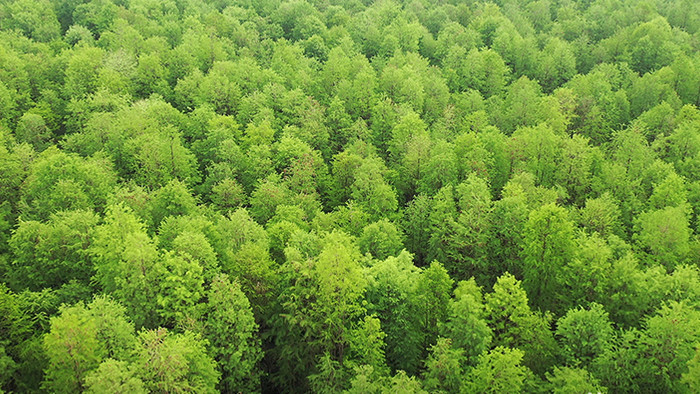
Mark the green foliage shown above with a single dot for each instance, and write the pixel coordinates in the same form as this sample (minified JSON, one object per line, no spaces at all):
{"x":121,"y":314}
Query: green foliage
{"x":514,"y":325}
{"x":243,"y":249}
{"x":585,"y":334}
{"x":81,"y":338}
{"x":59,"y":181}
{"x":32,"y":129}
{"x":128,"y":266}
{"x":669,"y":338}
{"x":601,"y":215}
{"x":391,"y":295}
{"x":319,"y":325}
{"x":167,"y":362}
{"x":416,"y":225}
{"x":443,"y":368}
{"x":466,"y":327}
{"x":548,"y":246}
{"x":282,"y":196}
{"x":693,"y":374}
{"x":54,"y":253}
{"x":180,"y":288}
{"x":113,"y":376}
{"x":433,"y":290}
{"x":15,"y":327}
{"x":73,"y":350}
{"x":573,"y":380}
{"x":472,"y":229}
{"x":497,"y":371}
{"x":232,"y":333}
{"x":381,"y":239}
{"x":665,"y":234}
{"x":366,"y":381}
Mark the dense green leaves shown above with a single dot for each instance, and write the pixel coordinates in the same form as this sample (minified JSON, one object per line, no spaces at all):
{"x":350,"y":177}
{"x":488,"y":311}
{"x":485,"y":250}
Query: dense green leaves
{"x":81,"y":338}
{"x":393,"y":196}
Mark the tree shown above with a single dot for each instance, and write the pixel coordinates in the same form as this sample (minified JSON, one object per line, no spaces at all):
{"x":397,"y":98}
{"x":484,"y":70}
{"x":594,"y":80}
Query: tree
{"x":601,"y":215}
{"x":572,"y":380}
{"x":669,"y":339}
{"x":54,"y":253}
{"x":498,"y":371}
{"x":520,"y":106}
{"x":433,"y":292}
{"x":691,"y":377}
{"x":242,"y":246}
{"x":414,"y":162}
{"x":16,"y":329}
{"x":232,"y":334}
{"x":158,"y":158}
{"x":60,"y":181}
{"x":664,"y":233}
{"x":321,"y":311}
{"x":556,"y":64}
{"x":585,"y":334}
{"x":115,"y":377}
{"x":670,"y":192}
{"x":127,"y":264}
{"x":82,"y":71}
{"x":589,"y":269}
{"x":80,"y":338}
{"x":510,"y":214}
{"x":466,"y":326}
{"x":73,"y":343}
{"x":381,"y":239}
{"x":181,"y":288}
{"x":269,"y":193}
{"x":172,"y":199}
{"x":442,"y":225}
{"x":416,"y":225}
{"x":391,"y":296}
{"x":536,"y":150}
{"x":32,"y":129}
{"x":514,"y":325}
{"x":372,"y":192}
{"x":548,"y":247}
{"x":443,"y":368}
{"x":656,"y":357}
{"x":472,"y":229}
{"x":366,"y":381}
{"x":168,"y":362}
{"x":466,"y":69}
{"x":650,"y":46}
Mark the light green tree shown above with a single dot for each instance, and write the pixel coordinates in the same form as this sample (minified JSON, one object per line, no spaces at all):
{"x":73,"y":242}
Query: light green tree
{"x":665,"y":234}
{"x":171,"y":362}
{"x":514,"y":325}
{"x":233,"y":336}
{"x":566,"y":380}
{"x":391,"y":295}
{"x":466,"y":325}
{"x":443,"y":368}
{"x":498,"y":371}
{"x":585,"y":334}
{"x":127,"y":264}
{"x":115,"y":377}
{"x":548,"y":247}
{"x":80,"y":338}
{"x":381,"y":239}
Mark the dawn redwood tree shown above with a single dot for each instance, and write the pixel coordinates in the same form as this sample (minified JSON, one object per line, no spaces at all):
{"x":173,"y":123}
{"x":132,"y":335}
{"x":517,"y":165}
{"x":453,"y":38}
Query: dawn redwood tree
{"x":548,"y":247}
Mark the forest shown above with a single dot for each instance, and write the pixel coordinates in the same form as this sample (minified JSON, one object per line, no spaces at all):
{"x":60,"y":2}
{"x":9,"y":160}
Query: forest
{"x":326,"y":196}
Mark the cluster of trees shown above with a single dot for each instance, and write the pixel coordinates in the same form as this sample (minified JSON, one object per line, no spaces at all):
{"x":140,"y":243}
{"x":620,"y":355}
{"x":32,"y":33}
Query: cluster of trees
{"x":326,"y":196}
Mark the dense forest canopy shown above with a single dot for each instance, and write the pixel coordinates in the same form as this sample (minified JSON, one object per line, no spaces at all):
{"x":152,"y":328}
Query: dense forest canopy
{"x":347,"y":195}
